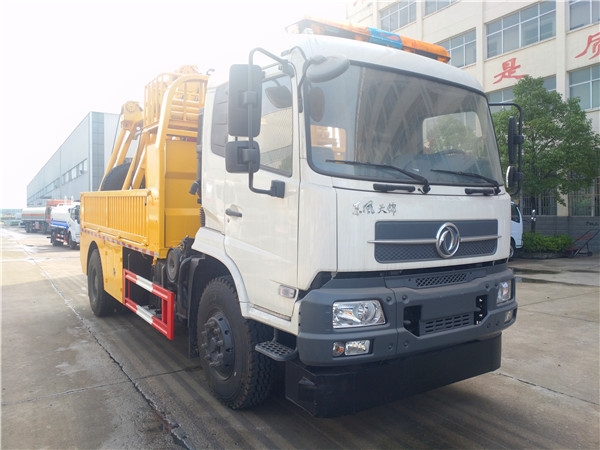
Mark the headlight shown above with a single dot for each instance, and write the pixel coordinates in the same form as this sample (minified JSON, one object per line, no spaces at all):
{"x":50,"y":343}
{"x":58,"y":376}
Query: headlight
{"x":504,"y":292}
{"x":361,"y":313}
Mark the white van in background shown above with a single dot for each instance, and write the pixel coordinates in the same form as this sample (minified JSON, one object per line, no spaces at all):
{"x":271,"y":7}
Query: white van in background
{"x":516,"y":230}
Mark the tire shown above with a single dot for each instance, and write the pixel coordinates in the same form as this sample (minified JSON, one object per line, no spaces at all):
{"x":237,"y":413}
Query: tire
{"x":71,"y":242}
{"x":101,"y":303}
{"x":237,"y":374}
{"x":115,"y":178}
{"x":513,"y":250}
{"x":53,"y":240}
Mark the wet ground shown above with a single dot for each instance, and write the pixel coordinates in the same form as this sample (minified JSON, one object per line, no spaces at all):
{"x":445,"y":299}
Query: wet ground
{"x":580,"y":270}
{"x":72,"y":380}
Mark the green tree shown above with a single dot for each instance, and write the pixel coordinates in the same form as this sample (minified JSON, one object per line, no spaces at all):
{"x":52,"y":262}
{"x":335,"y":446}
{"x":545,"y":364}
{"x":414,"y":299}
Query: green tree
{"x":561,"y":152}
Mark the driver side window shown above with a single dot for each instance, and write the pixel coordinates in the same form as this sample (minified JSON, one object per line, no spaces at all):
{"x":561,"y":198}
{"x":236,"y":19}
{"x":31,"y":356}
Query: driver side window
{"x":276,"y":129}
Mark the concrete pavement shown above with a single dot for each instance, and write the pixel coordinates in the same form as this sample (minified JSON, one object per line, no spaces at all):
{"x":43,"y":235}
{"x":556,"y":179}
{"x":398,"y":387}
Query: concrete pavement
{"x":554,"y":344}
{"x":60,"y":389}
{"x":580,"y":270}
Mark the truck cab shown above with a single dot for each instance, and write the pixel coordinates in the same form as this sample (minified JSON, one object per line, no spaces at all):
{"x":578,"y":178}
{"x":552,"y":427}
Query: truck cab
{"x":362,"y":211}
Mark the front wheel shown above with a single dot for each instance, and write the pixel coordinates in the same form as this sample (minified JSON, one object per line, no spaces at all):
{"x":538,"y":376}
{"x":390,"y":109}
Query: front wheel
{"x":513,"y":250}
{"x":237,"y":374}
{"x":101,"y":303}
{"x":71,"y":242}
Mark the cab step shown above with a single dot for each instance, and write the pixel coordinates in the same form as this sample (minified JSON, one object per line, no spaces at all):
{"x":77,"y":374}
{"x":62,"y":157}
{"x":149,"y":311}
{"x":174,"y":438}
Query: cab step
{"x":276,"y":351}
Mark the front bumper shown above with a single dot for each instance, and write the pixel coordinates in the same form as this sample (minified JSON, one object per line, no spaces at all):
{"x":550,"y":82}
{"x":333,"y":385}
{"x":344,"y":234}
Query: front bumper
{"x":424,"y":312}
{"x":336,"y":391}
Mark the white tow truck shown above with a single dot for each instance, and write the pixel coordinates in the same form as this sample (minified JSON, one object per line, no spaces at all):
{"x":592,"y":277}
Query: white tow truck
{"x":348,"y":220}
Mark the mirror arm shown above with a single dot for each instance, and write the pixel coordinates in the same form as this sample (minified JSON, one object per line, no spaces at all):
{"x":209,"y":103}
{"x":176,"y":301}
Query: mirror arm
{"x":277,"y":187}
{"x":286,"y":67}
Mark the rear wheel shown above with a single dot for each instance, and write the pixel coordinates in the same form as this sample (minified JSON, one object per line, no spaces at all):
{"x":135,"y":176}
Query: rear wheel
{"x":101,"y":303}
{"x":237,"y":374}
{"x":55,"y":242}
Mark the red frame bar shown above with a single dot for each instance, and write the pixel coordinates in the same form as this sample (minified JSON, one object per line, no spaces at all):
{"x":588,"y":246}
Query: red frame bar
{"x":165,"y":325}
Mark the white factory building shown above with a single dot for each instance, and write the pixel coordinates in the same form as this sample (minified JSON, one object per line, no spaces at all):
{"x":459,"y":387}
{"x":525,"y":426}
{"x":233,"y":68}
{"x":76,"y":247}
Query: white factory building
{"x":499,"y":42}
{"x":78,"y":164}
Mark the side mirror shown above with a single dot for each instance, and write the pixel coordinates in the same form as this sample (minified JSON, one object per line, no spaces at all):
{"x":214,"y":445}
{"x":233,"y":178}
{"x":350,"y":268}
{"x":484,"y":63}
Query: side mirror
{"x":245,"y":100}
{"x":241,"y":157}
{"x":244,"y":157}
{"x":513,"y":177}
{"x":514,"y":140}
{"x":324,"y":69}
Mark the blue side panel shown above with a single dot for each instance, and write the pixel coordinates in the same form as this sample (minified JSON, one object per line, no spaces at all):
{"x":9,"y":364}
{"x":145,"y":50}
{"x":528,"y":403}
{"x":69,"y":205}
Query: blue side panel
{"x":59,"y":224}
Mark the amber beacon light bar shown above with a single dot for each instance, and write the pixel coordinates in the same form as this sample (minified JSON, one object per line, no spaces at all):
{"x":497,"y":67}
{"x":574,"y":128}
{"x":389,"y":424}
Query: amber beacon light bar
{"x":369,"y":34}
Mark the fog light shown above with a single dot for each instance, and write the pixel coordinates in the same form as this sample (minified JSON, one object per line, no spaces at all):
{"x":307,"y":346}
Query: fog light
{"x":358,"y":347}
{"x":351,"y":348}
{"x":509,"y":316}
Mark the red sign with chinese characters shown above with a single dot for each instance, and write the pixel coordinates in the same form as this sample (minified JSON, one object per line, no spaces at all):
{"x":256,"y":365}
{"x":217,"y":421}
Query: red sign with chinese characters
{"x":509,"y":69}
{"x":592,"y":46}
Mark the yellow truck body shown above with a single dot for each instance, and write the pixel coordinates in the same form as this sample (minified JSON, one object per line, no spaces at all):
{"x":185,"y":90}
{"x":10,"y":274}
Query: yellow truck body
{"x":148,"y":213}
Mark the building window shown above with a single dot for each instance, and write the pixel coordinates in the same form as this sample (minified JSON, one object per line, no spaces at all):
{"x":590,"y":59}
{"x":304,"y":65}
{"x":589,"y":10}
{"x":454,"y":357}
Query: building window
{"x":585,"y":84}
{"x":398,"y":15}
{"x":432,"y":6}
{"x":507,"y":94}
{"x":583,"y":12}
{"x":585,"y":201}
{"x":525,"y":27}
{"x":501,"y":96}
{"x":544,"y":205}
{"x":462,"y":49}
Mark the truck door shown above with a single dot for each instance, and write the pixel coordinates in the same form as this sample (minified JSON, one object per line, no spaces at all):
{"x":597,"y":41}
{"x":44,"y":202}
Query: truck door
{"x":262,"y":230}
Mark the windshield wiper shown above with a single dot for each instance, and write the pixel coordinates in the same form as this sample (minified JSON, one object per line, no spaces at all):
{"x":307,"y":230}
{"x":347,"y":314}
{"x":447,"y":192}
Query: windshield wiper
{"x":485,"y":191}
{"x":425,"y":189}
{"x":392,"y":187}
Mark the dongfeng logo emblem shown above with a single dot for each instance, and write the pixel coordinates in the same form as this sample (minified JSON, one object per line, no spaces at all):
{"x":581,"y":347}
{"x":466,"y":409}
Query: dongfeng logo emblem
{"x":447,"y":240}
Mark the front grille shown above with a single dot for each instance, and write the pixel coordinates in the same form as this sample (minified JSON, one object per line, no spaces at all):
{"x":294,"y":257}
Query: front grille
{"x":423,"y":235}
{"x":446,"y":323}
{"x":441,"y":280}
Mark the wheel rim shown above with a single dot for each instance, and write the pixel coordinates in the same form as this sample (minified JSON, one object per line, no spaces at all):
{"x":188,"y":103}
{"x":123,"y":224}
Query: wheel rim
{"x":95,"y":285}
{"x":218,"y":345}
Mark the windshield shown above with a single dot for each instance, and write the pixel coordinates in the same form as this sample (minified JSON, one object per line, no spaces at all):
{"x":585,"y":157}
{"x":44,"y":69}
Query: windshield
{"x":368,"y":123}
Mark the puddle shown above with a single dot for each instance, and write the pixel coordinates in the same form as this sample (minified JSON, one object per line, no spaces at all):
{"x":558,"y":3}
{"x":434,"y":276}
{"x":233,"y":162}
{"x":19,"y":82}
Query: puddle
{"x":531,"y":280}
{"x":535,"y":272}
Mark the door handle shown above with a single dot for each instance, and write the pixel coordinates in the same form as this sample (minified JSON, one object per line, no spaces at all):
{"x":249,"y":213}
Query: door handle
{"x":231,"y":212}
